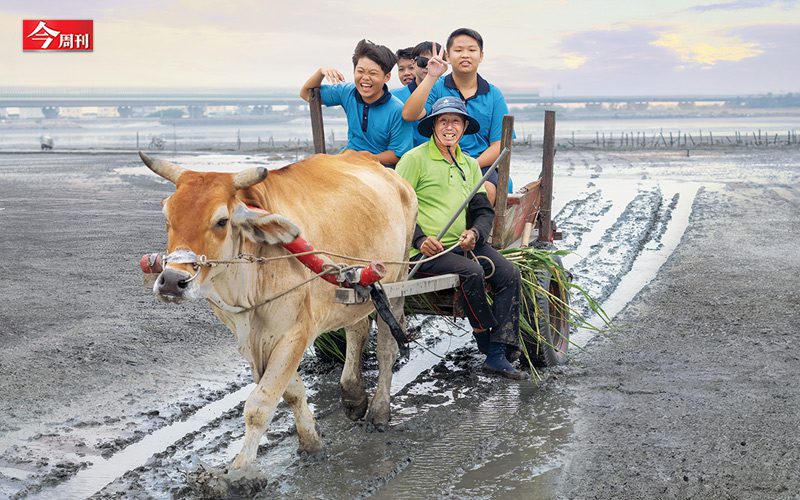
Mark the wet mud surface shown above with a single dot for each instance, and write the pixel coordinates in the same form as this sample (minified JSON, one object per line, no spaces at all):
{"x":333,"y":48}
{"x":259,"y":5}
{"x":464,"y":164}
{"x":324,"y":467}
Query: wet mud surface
{"x":692,"y":396}
{"x":687,"y":397}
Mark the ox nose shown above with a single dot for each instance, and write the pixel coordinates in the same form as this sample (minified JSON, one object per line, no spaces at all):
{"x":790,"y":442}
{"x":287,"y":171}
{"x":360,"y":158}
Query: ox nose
{"x":172,"y":283}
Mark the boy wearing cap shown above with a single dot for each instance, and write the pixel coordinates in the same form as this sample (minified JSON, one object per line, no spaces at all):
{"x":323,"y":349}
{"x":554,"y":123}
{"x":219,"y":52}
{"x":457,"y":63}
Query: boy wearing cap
{"x":443,"y":177}
{"x":483,"y":100}
{"x":374,"y":116}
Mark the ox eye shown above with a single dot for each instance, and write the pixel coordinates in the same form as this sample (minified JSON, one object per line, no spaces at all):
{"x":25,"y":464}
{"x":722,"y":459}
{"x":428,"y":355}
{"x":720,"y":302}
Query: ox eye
{"x":222,"y":222}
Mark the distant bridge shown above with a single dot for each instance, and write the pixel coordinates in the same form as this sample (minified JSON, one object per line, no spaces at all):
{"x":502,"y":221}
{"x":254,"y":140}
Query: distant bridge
{"x":50,"y":99}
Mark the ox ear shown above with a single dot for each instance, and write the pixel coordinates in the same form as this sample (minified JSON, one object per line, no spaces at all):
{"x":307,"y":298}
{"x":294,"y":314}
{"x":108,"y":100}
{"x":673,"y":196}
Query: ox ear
{"x":261,"y":226}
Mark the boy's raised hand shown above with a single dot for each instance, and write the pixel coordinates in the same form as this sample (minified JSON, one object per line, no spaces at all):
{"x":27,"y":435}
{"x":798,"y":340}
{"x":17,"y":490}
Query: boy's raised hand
{"x":333,"y":75}
{"x":437,"y":66}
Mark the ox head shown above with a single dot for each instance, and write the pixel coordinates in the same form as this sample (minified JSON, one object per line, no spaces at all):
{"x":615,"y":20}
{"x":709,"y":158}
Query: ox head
{"x":206,"y":216}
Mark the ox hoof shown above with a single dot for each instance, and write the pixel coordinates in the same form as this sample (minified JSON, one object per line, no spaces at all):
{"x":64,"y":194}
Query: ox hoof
{"x":355,"y":410}
{"x":378,"y":416}
{"x":212,"y":482}
{"x":378,"y":421}
{"x":311,"y":447}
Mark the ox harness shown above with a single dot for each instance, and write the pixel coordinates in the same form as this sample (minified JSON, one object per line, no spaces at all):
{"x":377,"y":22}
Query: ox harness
{"x":364,"y":279}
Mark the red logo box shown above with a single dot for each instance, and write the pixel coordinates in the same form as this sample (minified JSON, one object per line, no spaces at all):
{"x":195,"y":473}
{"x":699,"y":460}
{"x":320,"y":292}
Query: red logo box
{"x":58,"y":34}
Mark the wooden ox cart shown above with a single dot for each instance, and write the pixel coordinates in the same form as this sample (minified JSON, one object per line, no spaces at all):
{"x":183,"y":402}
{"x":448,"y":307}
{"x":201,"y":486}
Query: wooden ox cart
{"x":517,"y":216}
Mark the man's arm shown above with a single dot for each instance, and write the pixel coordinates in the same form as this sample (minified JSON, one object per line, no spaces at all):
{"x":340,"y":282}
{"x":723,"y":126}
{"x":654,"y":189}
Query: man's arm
{"x":316,"y":78}
{"x":480,"y":216}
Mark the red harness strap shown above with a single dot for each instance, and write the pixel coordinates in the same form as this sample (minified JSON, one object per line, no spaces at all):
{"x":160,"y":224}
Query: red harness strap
{"x":362,"y":275}
{"x":367,"y":275}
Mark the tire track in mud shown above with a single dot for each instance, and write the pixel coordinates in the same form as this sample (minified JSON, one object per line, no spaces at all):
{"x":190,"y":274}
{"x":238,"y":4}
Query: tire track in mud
{"x":621,"y":244}
{"x":578,"y":217}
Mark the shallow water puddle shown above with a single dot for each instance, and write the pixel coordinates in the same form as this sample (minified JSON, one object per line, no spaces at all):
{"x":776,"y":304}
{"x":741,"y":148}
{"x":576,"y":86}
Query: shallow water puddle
{"x":104,"y":471}
{"x":649,"y":261}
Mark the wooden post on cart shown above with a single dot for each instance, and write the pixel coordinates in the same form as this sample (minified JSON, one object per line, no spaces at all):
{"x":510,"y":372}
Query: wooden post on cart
{"x":503,"y":173}
{"x":317,"y":129}
{"x":549,"y":152}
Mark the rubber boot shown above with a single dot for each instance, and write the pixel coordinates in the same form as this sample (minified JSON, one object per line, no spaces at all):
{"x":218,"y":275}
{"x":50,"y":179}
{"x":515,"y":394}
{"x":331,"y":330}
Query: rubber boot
{"x":482,"y":339}
{"x":496,"y":362}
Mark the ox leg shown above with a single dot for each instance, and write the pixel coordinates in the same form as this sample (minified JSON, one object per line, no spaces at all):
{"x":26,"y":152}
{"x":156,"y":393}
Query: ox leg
{"x":260,"y":405}
{"x":379,"y":411}
{"x":295,"y":397}
{"x":354,"y":395}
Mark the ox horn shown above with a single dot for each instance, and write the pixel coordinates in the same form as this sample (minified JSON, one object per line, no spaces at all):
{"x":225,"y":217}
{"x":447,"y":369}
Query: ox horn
{"x":250,"y":176}
{"x":165,"y":169}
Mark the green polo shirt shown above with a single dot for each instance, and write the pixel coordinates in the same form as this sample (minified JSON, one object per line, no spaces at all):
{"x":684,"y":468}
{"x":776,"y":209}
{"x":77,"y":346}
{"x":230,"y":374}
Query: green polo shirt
{"x":441,"y":188}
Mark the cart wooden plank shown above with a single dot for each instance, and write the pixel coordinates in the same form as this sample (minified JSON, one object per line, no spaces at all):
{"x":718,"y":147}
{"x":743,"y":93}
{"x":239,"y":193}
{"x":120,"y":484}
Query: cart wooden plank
{"x":402,"y":288}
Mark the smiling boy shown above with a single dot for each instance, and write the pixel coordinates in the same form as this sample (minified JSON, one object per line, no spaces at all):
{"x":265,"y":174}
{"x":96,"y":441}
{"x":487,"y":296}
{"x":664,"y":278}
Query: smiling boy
{"x":405,"y":65}
{"x":484,"y":101}
{"x":374,"y":117}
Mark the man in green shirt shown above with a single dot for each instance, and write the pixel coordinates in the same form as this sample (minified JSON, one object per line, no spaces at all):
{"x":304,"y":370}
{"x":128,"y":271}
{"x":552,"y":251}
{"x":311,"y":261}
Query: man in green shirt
{"x":443,"y":177}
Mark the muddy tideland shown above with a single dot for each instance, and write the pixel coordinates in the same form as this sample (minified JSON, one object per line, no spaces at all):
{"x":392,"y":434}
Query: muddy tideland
{"x":106,"y":392}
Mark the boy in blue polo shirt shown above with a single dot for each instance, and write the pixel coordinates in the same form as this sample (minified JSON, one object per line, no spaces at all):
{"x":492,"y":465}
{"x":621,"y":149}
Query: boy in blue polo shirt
{"x":374,"y":117}
{"x":483,"y":100}
{"x":421,"y":53}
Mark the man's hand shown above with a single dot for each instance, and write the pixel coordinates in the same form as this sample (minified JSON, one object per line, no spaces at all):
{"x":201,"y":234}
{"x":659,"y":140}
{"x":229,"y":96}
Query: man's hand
{"x":431,"y":246}
{"x":333,"y":75}
{"x":437,"y":66}
{"x":468,"y":239}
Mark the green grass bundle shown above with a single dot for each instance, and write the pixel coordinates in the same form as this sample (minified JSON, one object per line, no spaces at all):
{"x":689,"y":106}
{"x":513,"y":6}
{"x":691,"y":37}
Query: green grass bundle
{"x":546,"y":311}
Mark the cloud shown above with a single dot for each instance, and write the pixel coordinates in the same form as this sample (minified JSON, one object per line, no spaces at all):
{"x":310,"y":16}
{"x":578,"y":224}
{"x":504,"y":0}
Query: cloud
{"x":252,"y":43}
{"x":744,"y":4}
{"x":636,"y":60}
{"x":705,"y":52}
{"x":573,"y":61}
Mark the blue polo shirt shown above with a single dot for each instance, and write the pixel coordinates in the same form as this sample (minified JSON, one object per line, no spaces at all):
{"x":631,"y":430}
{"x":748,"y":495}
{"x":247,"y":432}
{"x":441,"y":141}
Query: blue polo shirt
{"x":403,"y":93}
{"x":488,"y":106}
{"x":375,"y":127}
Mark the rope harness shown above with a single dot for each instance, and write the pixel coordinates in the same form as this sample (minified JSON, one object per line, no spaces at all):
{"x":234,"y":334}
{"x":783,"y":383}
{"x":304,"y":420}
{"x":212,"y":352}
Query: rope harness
{"x":341,"y":273}
{"x":365,"y":279}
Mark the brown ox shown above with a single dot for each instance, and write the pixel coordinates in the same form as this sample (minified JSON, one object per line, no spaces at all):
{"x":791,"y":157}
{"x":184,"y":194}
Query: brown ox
{"x":348,"y":204}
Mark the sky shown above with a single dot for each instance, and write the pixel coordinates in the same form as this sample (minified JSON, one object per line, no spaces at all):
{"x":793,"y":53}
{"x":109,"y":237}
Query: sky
{"x":561,"y":48}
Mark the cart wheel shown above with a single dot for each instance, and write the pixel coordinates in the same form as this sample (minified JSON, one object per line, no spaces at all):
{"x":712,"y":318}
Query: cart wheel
{"x":551,"y":348}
